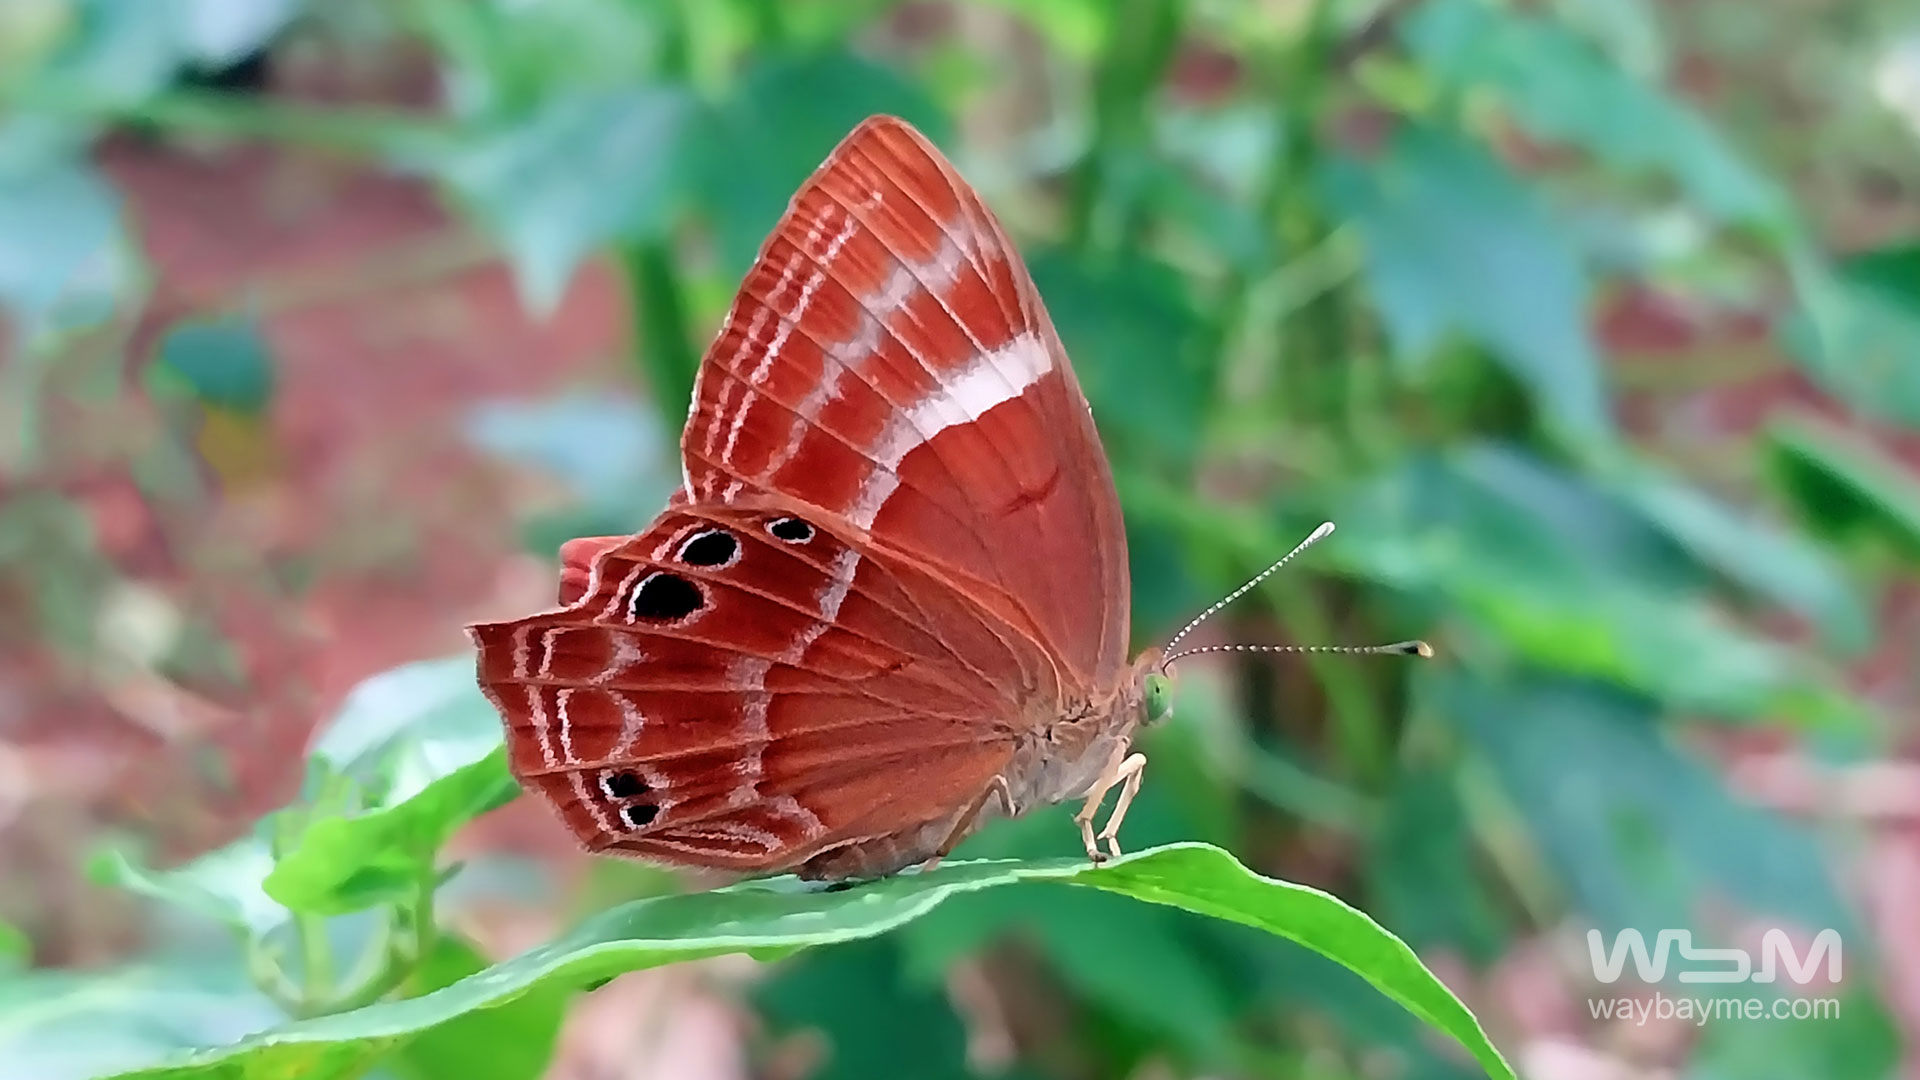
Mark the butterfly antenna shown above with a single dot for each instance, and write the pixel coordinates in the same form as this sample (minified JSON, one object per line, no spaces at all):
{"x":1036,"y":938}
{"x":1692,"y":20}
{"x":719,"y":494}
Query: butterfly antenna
{"x":1399,"y":648}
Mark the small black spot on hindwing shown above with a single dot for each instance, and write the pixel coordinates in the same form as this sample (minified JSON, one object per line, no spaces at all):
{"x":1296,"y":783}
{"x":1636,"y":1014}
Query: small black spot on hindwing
{"x":714,"y":547}
{"x":790,"y":529}
{"x":639,"y":814}
{"x":623,"y":785}
{"x":665,"y":597}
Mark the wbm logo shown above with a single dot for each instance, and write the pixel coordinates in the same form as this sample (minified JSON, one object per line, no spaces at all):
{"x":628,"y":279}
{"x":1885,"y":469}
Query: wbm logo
{"x":1723,"y":965}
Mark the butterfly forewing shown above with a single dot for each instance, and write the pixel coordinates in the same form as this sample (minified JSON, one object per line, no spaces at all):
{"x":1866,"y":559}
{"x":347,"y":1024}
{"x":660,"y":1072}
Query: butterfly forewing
{"x":888,"y":360}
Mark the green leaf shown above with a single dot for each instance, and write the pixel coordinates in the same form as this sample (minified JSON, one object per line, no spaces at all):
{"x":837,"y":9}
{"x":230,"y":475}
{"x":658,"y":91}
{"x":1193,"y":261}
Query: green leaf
{"x":1456,"y":243}
{"x":1844,"y":487}
{"x":1640,"y":832}
{"x":780,"y":915}
{"x":72,"y":1026}
{"x":785,"y":115}
{"x":224,"y":363}
{"x":1560,"y":88}
{"x":347,"y":864}
{"x":1858,"y":331}
{"x":425,"y":747}
{"x":223,"y":885}
{"x":512,"y":1042}
{"x":585,"y":169}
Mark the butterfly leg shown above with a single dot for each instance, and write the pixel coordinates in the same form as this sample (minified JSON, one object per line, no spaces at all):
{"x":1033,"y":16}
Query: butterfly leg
{"x":1131,"y":772}
{"x":965,"y":824}
{"x":1121,"y":769}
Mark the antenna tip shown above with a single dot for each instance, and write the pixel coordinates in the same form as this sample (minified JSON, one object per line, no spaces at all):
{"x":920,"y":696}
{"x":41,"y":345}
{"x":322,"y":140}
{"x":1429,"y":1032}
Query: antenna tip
{"x":1320,"y":533}
{"x":1413,"y":648}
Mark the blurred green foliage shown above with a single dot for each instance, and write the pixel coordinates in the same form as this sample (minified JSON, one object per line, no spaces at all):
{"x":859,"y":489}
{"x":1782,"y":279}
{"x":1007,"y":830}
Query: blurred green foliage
{"x":1330,"y":290}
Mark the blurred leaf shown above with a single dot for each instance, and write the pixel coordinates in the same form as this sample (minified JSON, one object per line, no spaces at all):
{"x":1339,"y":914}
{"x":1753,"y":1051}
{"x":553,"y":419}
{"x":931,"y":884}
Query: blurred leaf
{"x":784,"y":116}
{"x":1844,"y":487}
{"x":775,"y":917}
{"x":1761,"y":557}
{"x":874,"y":1018}
{"x":223,"y":885}
{"x":116,"y":51}
{"x":1157,"y":982}
{"x":16,"y":949}
{"x":437,"y":698}
{"x":425,"y":747}
{"x":606,"y":448}
{"x":66,"y":1026}
{"x":1628,"y":31}
{"x":225,"y":364}
{"x":1640,"y":832}
{"x":1305,"y":983}
{"x":60,"y":260}
{"x":1861,"y":1041}
{"x":1078,"y":28}
{"x":1421,"y":871}
{"x":216,"y":33}
{"x":1146,"y":390}
{"x":512,"y":1042}
{"x":1456,"y":242}
{"x":1560,"y":88}
{"x":1509,"y":495}
{"x":1858,"y":330}
{"x":587,"y":168}
{"x":1567,"y":603}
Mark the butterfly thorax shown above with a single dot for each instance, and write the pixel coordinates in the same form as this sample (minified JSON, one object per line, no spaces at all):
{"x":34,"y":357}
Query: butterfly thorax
{"x":1061,"y":759}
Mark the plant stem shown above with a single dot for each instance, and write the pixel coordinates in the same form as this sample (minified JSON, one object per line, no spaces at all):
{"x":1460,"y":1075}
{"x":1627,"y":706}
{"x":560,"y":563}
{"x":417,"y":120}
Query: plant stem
{"x":1358,"y":727}
{"x":316,"y":958}
{"x":663,"y":348}
{"x":1141,"y":38}
{"x":355,"y":130}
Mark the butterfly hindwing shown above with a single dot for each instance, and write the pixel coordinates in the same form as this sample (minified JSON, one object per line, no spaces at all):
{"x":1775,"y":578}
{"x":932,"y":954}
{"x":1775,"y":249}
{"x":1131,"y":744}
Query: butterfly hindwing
{"x":740,"y":687}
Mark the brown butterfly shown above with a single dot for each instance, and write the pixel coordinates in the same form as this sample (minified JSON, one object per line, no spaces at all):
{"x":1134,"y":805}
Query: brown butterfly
{"x":889,"y":601}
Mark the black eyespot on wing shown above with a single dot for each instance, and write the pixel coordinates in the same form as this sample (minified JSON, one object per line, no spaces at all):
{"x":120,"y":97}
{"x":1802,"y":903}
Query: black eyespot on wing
{"x":623,"y":785}
{"x":665,"y":597}
{"x":638,"y":815}
{"x":714,"y":547}
{"x":790,"y":529}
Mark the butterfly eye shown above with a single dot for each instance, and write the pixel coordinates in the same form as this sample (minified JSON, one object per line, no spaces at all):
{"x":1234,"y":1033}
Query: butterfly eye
{"x":713,"y":547}
{"x":664,"y":597}
{"x":1159,"y":697}
{"x":790,"y":529}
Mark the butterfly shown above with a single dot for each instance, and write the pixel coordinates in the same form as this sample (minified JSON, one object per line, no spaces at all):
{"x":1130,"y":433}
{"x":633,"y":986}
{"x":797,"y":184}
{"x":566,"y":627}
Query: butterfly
{"x":889,"y":601}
